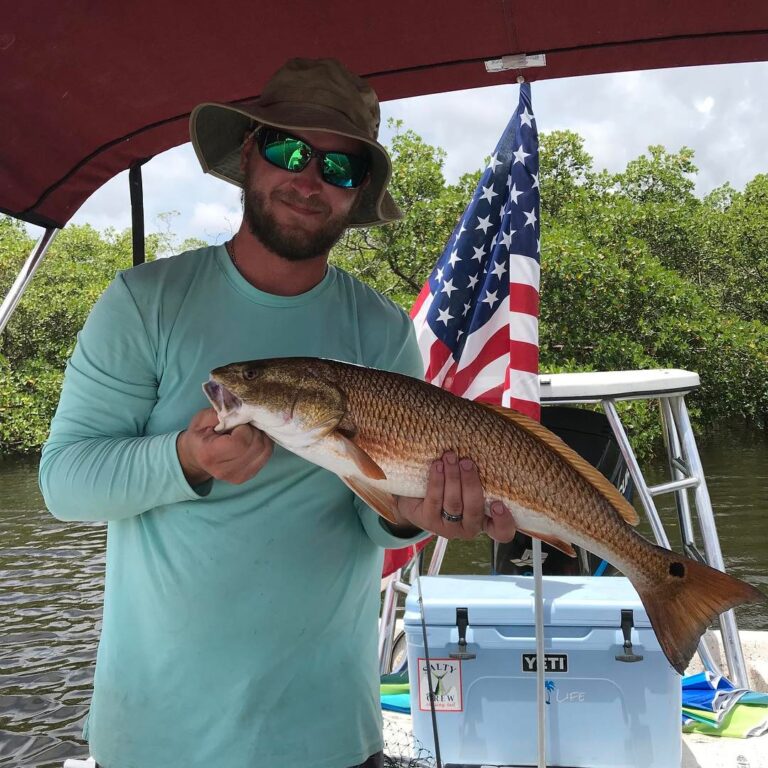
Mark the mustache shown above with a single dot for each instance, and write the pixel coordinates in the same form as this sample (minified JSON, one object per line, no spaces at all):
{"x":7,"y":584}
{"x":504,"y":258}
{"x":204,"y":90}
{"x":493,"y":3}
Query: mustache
{"x":293,"y":198}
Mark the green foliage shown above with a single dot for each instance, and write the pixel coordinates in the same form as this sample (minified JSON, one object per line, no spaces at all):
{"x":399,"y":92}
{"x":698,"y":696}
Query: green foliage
{"x":40,"y":336}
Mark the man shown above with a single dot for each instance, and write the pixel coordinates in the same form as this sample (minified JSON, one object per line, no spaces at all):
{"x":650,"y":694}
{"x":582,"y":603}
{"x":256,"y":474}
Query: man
{"x":241,"y":590}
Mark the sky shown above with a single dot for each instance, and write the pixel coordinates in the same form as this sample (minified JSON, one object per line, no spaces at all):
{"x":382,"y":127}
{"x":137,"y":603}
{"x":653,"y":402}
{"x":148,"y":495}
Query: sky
{"x":721,"y":112}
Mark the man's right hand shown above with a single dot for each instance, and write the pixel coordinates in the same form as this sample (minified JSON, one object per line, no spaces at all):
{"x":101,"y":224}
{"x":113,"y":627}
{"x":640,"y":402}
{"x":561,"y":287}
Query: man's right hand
{"x":234,"y":456}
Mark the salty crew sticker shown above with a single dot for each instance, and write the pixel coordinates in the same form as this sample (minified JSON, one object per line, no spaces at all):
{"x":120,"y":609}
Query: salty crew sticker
{"x":445,"y":675}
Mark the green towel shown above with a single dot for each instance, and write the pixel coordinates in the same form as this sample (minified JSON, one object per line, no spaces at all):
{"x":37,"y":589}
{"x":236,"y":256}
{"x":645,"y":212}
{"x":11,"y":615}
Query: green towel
{"x":742,"y":721}
{"x":389,"y":688}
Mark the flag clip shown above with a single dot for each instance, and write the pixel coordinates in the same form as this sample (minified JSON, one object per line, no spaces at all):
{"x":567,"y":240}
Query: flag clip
{"x":516,"y":61}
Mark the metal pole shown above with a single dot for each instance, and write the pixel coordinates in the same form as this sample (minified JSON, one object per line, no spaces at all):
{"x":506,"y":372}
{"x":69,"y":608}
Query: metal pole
{"x":637,"y":476}
{"x":387,"y":623}
{"x":437,"y":556}
{"x":538,"y":600}
{"x":730,"y":631}
{"x":25,"y":275}
{"x":674,"y":454}
{"x":650,"y":508}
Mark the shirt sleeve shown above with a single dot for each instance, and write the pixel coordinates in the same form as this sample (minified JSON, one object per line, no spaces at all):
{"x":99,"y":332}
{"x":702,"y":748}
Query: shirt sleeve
{"x":97,"y":463}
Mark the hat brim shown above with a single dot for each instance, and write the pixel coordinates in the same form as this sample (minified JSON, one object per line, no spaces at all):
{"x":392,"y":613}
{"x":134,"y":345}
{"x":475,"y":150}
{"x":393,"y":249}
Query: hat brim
{"x":217,"y":132}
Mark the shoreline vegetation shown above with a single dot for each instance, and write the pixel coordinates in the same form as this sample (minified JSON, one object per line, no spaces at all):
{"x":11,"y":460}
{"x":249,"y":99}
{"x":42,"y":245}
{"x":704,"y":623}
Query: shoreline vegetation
{"x":637,"y":272}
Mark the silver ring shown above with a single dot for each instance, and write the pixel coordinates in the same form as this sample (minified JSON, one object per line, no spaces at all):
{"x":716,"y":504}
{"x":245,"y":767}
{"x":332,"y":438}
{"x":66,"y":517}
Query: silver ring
{"x":451,"y":518}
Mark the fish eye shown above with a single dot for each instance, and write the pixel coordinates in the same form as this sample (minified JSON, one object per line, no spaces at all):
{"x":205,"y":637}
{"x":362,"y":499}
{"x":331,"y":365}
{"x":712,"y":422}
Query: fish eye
{"x":249,"y":374}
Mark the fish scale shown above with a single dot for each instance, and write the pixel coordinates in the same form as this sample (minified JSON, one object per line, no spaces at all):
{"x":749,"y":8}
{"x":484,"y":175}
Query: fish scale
{"x":381,"y":431}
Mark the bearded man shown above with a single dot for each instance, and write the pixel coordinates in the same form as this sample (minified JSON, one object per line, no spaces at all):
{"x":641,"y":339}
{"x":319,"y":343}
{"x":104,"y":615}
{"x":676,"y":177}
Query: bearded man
{"x":242,"y":582}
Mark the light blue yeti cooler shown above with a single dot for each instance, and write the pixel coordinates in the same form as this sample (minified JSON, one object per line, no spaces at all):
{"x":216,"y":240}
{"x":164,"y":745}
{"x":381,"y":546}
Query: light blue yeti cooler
{"x":600,"y":712}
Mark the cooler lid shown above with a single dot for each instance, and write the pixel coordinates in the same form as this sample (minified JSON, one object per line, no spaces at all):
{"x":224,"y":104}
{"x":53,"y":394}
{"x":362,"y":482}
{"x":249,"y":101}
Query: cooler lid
{"x":573,"y":601}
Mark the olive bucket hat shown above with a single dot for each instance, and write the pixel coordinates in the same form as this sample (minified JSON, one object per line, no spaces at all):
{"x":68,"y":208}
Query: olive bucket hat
{"x":303,"y":95}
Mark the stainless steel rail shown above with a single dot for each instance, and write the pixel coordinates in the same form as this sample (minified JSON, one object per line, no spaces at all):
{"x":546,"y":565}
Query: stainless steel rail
{"x":25,"y":275}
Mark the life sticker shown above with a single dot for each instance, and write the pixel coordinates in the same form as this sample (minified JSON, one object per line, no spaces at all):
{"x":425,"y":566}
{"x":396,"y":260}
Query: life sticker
{"x":446,"y":685}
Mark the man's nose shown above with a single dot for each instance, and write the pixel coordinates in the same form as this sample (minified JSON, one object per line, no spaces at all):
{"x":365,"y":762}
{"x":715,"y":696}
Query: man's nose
{"x":308,"y":181}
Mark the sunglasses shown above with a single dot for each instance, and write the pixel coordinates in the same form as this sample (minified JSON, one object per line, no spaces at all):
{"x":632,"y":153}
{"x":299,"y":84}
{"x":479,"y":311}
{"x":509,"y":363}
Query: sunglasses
{"x":340,"y":169}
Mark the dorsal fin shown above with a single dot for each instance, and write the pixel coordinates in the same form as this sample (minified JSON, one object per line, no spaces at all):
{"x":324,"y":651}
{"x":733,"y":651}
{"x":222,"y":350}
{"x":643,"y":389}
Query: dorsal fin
{"x":582,"y":466}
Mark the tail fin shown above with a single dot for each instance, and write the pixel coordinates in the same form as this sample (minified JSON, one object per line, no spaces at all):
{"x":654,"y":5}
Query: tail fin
{"x":685,"y":602}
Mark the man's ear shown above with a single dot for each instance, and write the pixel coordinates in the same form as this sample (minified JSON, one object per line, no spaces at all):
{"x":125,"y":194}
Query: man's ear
{"x":245,"y":151}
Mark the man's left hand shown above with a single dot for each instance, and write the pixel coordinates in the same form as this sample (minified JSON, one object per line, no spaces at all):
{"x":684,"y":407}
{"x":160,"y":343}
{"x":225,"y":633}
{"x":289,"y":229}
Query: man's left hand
{"x":454,"y":488}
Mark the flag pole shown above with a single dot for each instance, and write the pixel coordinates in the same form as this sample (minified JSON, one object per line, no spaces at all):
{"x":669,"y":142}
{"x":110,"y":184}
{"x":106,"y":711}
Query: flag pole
{"x":540,"y":663}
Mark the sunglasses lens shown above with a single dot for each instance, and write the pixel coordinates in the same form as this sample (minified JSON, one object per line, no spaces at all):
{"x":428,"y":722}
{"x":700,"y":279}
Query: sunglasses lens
{"x":287,"y":152}
{"x":343,"y":170}
{"x":292,"y":154}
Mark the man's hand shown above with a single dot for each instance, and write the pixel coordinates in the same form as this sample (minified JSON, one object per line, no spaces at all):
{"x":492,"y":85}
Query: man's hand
{"x":454,"y":488}
{"x":234,"y":456}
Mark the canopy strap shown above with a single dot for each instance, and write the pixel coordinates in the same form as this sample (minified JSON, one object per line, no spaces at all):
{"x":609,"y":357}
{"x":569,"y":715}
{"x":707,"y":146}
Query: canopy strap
{"x":137,"y":211}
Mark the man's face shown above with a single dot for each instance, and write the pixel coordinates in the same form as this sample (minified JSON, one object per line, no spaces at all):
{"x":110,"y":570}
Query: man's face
{"x":297,"y":215}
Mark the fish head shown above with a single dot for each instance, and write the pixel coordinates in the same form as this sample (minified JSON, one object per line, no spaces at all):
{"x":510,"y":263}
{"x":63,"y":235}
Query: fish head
{"x":288,"y":398}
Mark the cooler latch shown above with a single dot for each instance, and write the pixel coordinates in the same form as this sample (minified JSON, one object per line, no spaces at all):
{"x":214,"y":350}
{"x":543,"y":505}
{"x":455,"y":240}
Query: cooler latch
{"x":462,"y":622}
{"x":627,"y":622}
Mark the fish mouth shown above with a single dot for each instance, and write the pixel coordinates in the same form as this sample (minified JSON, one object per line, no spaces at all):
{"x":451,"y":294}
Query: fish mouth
{"x":222,"y":400}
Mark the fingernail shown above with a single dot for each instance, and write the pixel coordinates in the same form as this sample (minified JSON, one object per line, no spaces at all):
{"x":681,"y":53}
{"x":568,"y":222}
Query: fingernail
{"x":439,"y":467}
{"x":466,"y":464}
{"x":450,"y":458}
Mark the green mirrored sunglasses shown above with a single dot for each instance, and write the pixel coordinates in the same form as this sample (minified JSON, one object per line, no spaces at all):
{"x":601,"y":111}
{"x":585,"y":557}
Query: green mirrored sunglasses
{"x":340,"y":169}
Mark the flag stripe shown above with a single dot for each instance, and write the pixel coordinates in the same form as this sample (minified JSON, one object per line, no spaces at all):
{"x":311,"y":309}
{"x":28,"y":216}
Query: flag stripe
{"x":524,"y":298}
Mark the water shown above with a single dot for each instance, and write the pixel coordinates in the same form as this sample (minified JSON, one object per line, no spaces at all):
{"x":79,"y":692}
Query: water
{"x":52,"y":575}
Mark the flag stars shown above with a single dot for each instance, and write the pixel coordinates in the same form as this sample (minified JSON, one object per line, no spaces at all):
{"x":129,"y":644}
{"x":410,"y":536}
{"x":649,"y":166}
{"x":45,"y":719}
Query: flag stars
{"x":526,"y":118}
{"x":506,"y":238}
{"x":479,"y":253}
{"x":535,"y":181}
{"x":483,"y":223}
{"x":494,"y":161}
{"x":444,"y":316}
{"x":448,"y":287}
{"x":514,"y":193}
{"x":472,"y":282}
{"x":488,"y":193}
{"x":439,"y":276}
{"x":520,"y":155}
{"x":454,"y":257}
{"x":530,"y":218}
{"x":467,"y":307}
{"x":461,"y":231}
{"x":490,"y":298}
{"x":499,"y":269}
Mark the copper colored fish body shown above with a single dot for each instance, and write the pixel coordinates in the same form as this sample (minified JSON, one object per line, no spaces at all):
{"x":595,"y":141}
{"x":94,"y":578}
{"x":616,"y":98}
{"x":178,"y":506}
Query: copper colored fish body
{"x":380,"y":431}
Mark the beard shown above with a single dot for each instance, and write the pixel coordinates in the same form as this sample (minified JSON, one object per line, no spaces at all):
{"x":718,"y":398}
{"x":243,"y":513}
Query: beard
{"x":292,"y":243}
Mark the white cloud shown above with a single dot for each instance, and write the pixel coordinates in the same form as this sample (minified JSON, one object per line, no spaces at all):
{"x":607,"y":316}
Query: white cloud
{"x":704,"y":105}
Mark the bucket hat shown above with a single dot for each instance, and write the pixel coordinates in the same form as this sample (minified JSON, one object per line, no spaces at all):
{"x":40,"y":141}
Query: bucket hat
{"x":303,"y":95}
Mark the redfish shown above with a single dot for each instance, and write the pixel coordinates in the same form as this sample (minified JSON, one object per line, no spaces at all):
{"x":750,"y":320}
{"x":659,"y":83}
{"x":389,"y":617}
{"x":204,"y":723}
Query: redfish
{"x":380,"y":431}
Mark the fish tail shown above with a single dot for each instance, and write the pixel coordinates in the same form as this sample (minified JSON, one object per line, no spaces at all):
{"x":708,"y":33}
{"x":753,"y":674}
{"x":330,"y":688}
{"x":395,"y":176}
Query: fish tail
{"x":688,"y":598}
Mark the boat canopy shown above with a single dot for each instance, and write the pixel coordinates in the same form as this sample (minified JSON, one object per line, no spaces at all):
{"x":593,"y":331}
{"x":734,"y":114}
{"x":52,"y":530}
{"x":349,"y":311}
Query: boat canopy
{"x":90,"y":89}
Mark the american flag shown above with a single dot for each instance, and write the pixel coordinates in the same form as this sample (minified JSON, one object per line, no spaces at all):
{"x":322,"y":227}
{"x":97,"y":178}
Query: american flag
{"x":476,"y":317}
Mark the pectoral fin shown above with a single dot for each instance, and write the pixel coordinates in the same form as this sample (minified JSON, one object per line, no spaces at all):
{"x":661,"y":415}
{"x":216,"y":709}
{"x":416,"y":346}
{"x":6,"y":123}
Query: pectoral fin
{"x":553,"y":541}
{"x":363,"y":461}
{"x":382,"y":501}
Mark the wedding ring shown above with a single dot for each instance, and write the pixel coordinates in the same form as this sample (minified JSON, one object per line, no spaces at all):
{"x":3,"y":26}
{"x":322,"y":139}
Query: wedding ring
{"x":451,"y":518}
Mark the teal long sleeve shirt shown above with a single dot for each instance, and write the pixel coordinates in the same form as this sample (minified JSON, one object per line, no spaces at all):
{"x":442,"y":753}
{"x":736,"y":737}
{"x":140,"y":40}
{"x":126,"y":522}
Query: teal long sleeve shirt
{"x":240,"y":621}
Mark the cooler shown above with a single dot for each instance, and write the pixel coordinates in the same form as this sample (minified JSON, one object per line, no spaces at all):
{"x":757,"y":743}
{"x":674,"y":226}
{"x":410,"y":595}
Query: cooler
{"x":600,"y":712}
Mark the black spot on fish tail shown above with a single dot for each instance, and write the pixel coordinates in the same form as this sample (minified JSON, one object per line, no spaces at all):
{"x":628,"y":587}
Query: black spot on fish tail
{"x":677,"y":569}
